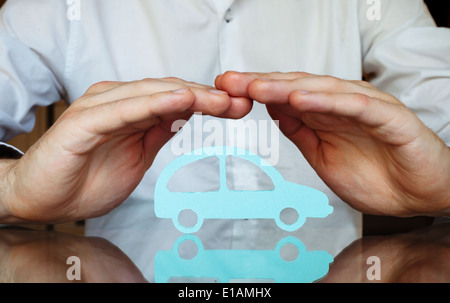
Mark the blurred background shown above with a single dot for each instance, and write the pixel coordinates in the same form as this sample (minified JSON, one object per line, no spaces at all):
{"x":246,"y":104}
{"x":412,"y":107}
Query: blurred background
{"x":373,"y":225}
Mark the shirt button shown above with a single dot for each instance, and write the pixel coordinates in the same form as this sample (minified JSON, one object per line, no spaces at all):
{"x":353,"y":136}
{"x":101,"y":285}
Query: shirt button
{"x":228,"y":16}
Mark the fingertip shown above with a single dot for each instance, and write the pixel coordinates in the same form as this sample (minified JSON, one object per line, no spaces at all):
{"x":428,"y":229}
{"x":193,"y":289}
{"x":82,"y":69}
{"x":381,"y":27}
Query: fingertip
{"x":268,"y":91}
{"x":257,"y":87}
{"x":235,"y":83}
{"x":217,"y":81}
{"x":181,"y":91}
{"x":185,"y":98}
{"x":239,"y":108}
{"x":210,"y":102}
{"x":184,"y":92}
{"x":232,"y":73}
{"x":299,"y":98}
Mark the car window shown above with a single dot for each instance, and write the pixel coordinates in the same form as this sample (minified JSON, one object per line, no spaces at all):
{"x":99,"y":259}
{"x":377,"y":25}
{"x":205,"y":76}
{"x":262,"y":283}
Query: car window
{"x":245,"y":175}
{"x":198,"y":176}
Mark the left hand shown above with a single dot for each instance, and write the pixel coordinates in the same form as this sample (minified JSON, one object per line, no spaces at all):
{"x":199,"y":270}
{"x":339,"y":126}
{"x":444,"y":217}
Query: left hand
{"x":367,"y":146}
{"x":98,"y":151}
{"x":33,"y":256}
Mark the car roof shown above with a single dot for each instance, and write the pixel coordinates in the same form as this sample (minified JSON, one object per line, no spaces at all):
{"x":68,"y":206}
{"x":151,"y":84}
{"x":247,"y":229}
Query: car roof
{"x":221,"y":152}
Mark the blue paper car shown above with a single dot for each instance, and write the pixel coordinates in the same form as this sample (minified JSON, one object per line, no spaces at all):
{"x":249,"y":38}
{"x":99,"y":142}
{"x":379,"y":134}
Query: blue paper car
{"x":237,"y":204}
{"x":239,"y":264}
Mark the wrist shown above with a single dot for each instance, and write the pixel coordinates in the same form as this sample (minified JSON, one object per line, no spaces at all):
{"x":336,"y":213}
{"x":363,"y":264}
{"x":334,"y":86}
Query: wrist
{"x":6,"y":186}
{"x":442,"y":196}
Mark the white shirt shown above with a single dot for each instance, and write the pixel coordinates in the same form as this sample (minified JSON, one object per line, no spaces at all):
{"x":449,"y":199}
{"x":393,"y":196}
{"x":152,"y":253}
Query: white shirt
{"x":45,"y":56}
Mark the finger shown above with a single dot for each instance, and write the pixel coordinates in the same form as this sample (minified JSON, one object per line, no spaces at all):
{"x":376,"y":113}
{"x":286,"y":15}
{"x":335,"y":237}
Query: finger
{"x":234,"y":108}
{"x":393,"y":123}
{"x":208,"y":100}
{"x":292,"y":119}
{"x":155,"y":138}
{"x":278,"y":91}
{"x":218,"y":103}
{"x":143,"y":112}
{"x":300,"y":134}
{"x":126,"y":90}
{"x":331,"y":123}
{"x":239,"y":108}
{"x":289,"y":124}
{"x":236,"y":83}
{"x":130,"y":115}
{"x":103,"y":87}
{"x":186,"y":83}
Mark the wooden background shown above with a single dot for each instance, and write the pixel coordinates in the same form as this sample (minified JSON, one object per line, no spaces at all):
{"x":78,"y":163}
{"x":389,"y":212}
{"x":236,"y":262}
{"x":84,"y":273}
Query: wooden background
{"x":373,"y":225}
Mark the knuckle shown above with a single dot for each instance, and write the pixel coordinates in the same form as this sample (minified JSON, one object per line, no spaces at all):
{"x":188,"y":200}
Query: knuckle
{"x":119,"y":108}
{"x":230,"y":73}
{"x":99,"y":86}
{"x":363,"y":100}
{"x":68,"y":114}
{"x":302,"y":74}
{"x":333,"y":82}
{"x":362,"y":83}
{"x":219,"y":107}
{"x":171,"y":79}
{"x":79,"y":101}
{"x":141,"y":85}
{"x":145,"y":81}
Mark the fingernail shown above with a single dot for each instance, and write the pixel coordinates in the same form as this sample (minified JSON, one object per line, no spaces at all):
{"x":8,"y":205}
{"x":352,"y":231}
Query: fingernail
{"x":180,"y":91}
{"x":217,"y":92}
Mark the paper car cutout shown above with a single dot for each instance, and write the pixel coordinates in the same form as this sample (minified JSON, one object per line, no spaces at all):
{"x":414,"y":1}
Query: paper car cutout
{"x":226,"y":265}
{"x":237,"y":204}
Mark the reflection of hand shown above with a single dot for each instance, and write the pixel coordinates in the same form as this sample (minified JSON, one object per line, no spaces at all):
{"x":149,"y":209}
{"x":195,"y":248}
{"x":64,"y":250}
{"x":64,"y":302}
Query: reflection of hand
{"x":28,"y":256}
{"x":98,"y":151}
{"x":365,"y":144}
{"x":415,"y":257}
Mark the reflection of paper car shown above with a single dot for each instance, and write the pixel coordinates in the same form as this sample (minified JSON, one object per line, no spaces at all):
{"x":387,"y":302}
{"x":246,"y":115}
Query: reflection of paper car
{"x":236,"y":204}
{"x":226,"y":265}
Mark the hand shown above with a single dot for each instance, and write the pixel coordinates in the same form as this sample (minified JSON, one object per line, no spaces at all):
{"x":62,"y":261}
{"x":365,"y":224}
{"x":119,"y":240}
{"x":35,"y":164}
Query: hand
{"x":31,"y":256}
{"x":365,"y":144}
{"x":416,"y":257}
{"x":96,"y":154}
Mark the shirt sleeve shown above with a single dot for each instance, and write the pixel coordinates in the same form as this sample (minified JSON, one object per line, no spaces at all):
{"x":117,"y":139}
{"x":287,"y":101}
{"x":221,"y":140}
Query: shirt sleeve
{"x":406,"y":55}
{"x":31,"y":61}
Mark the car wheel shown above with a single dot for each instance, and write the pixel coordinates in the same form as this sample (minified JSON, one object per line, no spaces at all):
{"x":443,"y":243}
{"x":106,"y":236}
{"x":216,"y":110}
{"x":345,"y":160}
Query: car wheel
{"x":294,"y":246}
{"x":289,"y":219}
{"x":188,"y":221}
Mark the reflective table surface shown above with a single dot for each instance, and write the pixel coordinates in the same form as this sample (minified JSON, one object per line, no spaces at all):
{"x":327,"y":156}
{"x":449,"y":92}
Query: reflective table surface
{"x":421,"y":255}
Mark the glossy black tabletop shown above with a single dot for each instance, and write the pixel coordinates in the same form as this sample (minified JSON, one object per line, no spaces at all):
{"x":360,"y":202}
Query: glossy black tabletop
{"x":421,"y":255}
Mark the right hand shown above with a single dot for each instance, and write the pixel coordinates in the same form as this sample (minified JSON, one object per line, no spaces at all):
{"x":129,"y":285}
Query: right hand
{"x":365,"y":144}
{"x":419,"y":256}
{"x":96,"y":154}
